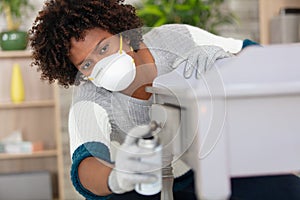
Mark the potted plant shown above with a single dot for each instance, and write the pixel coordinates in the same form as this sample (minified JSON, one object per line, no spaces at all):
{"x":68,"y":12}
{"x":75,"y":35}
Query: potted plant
{"x":206,"y":14}
{"x":13,"y":38}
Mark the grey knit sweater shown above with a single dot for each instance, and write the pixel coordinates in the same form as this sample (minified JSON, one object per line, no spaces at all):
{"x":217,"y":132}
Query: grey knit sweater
{"x":99,"y":119}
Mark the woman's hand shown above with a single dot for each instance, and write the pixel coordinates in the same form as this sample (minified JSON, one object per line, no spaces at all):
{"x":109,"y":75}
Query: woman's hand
{"x":200,"y":59}
{"x":129,"y":168}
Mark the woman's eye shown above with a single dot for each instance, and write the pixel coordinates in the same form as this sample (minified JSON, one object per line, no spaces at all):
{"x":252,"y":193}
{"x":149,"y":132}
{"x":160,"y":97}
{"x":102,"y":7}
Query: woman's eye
{"x":86,"y":65}
{"x":104,"y":49}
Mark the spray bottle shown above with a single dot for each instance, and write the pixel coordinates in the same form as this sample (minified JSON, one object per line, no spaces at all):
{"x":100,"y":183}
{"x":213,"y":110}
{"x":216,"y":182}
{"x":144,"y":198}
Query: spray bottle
{"x":151,"y":142}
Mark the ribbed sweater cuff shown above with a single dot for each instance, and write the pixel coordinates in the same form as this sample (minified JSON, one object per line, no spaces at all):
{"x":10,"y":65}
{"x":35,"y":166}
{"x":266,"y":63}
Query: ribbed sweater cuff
{"x":90,"y":149}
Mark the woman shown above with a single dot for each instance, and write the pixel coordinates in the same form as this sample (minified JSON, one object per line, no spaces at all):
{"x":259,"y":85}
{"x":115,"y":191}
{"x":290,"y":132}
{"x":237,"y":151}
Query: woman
{"x":78,"y":43}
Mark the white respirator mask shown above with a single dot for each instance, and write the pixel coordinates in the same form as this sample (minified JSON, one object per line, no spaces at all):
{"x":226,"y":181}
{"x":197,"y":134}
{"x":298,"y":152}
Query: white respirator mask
{"x":115,"y":72}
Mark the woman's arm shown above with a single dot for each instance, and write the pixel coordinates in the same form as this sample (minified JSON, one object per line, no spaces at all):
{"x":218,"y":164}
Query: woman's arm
{"x":89,"y":131}
{"x":93,"y":174}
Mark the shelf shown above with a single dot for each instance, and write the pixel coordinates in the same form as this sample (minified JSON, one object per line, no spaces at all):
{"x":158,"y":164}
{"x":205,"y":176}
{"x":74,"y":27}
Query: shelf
{"x":38,"y":117}
{"x":15,"y":54}
{"x":38,"y":154}
{"x":31,"y":104}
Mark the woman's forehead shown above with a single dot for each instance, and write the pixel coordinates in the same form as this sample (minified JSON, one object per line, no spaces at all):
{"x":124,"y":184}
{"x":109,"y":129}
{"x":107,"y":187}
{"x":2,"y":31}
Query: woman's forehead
{"x":81,"y":48}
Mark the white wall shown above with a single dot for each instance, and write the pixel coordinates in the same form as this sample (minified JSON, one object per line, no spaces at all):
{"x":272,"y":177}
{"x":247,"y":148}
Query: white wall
{"x":246,"y":10}
{"x":248,"y":25}
{"x":27,"y":20}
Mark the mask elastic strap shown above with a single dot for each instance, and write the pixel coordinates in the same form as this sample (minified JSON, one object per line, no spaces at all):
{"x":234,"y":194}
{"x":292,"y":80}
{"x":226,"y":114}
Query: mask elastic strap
{"x":121,"y":44}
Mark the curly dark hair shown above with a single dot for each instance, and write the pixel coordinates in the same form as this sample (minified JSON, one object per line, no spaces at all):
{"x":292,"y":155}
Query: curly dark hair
{"x":61,"y":20}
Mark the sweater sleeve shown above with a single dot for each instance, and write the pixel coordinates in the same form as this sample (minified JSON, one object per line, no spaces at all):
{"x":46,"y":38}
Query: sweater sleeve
{"x":203,"y":37}
{"x":89,"y":132}
{"x":88,"y":122}
{"x":170,"y":42}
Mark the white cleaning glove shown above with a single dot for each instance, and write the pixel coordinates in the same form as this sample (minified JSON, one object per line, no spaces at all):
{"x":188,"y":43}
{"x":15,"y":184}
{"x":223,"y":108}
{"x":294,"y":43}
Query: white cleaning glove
{"x":130,"y":169}
{"x":200,"y":59}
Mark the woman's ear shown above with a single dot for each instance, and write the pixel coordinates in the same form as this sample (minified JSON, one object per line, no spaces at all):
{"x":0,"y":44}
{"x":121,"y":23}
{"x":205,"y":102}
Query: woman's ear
{"x":127,"y":41}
